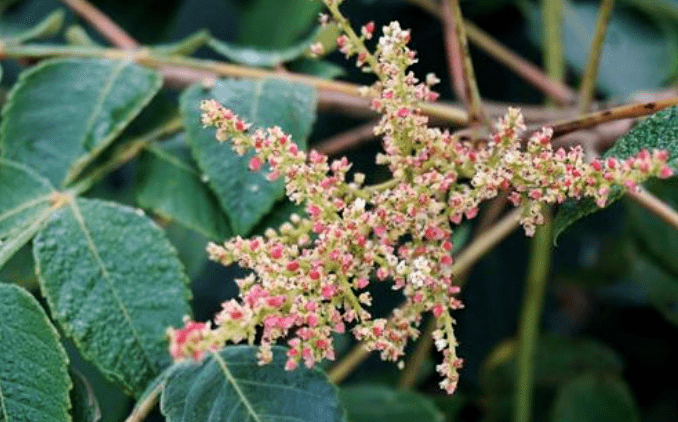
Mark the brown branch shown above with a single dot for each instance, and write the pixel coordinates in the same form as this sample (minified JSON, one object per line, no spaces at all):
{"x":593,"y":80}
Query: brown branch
{"x":617,"y":113}
{"x":454,"y":61}
{"x":532,"y":74}
{"x":655,"y":206}
{"x":555,"y":90}
{"x":347,"y":140}
{"x":588,"y":84}
{"x":472,"y":94}
{"x":104,"y":25}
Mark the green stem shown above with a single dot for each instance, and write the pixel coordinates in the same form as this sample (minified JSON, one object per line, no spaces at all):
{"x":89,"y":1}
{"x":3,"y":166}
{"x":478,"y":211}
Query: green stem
{"x":125,"y":154}
{"x":408,"y":377}
{"x":554,"y":59}
{"x":539,"y":265}
{"x":588,"y":83}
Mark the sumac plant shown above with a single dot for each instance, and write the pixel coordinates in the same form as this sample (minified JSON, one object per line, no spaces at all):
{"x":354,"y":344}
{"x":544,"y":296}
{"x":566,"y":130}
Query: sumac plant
{"x":328,"y":260}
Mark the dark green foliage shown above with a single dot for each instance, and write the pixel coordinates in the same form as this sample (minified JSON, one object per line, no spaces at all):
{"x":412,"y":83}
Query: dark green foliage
{"x":246,"y":196}
{"x":115,"y":284}
{"x":34,"y":381}
{"x":231,"y":385}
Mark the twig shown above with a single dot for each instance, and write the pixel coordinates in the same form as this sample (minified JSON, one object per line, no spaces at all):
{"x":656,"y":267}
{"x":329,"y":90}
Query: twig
{"x":142,"y":409}
{"x":454,"y":60}
{"x":475,"y":108}
{"x":103,"y":24}
{"x":539,"y":266}
{"x":125,"y":153}
{"x":588,"y":83}
{"x":655,"y":206}
{"x":617,"y":113}
{"x":347,"y":140}
{"x":348,"y":363}
{"x":408,"y":376}
{"x":208,"y":68}
{"x":471,"y":254}
{"x":554,"y":89}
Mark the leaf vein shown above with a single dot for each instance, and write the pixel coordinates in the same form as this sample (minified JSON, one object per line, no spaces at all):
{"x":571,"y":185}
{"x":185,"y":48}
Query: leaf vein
{"x":232,"y":380}
{"x":106,"y":276}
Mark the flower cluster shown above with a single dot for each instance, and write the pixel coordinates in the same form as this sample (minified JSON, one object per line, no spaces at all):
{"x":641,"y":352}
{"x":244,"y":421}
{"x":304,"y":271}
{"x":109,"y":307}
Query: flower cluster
{"x":309,"y":279}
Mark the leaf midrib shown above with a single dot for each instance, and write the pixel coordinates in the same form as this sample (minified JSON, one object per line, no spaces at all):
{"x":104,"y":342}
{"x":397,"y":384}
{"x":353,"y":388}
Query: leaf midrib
{"x":231,"y":379}
{"x":106,"y":276}
{"x":24,"y":206}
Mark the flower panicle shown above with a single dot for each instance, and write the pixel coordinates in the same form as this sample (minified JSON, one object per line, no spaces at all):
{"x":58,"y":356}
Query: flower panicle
{"x":308,"y":280}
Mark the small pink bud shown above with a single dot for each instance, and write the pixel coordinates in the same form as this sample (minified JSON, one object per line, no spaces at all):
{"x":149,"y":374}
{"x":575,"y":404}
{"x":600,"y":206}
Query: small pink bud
{"x":665,"y":172}
{"x":255,"y":163}
{"x":290,"y":365}
{"x":276,"y":251}
{"x":342,"y":40}
{"x":292,"y":266}
{"x":329,"y":291}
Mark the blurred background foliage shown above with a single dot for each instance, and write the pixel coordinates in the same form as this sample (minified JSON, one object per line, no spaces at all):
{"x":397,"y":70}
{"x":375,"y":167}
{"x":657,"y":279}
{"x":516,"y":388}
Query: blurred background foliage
{"x":611,"y":313}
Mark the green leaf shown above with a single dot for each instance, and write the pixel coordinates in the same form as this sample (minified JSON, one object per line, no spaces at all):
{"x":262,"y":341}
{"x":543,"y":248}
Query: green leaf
{"x":659,"y":131}
{"x":24,"y":206}
{"x":654,"y":237}
{"x":185,"y":46}
{"x":661,"y":288}
{"x":11,"y":33}
{"x":85,"y":405}
{"x":231,"y":385}
{"x":153,"y":390}
{"x":378,"y":403}
{"x":77,"y":35}
{"x":260,"y":22}
{"x":62,"y":113}
{"x":34,"y":380}
{"x":171,"y":185}
{"x":556,"y":359}
{"x":114,"y":283}
{"x":595,"y":398}
{"x":246,"y":196}
{"x":651,"y":47}
{"x":257,"y":56}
